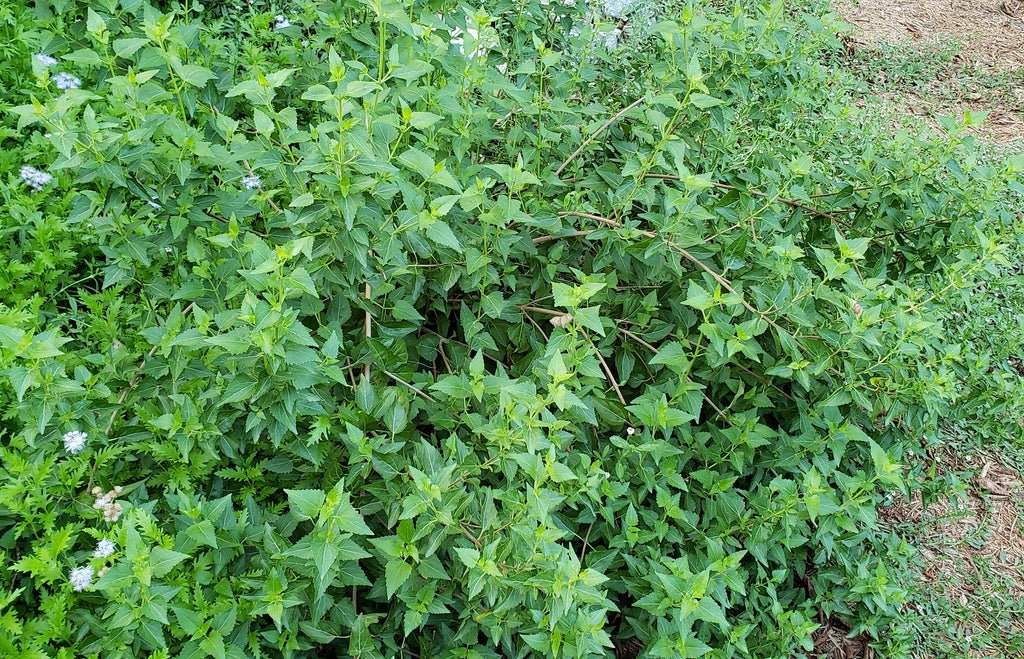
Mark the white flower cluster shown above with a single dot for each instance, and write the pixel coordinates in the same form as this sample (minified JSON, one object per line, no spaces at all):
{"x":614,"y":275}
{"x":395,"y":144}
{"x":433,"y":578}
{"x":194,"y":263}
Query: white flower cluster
{"x":45,"y":59}
{"x":281,"y":22}
{"x":66,"y":81}
{"x":104,"y":548}
{"x":81,"y":577}
{"x":74,"y":441}
{"x":251,"y":182}
{"x":37,"y":179}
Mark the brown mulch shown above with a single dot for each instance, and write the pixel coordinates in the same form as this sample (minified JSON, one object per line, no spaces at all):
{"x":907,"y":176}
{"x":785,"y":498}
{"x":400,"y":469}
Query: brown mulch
{"x":990,"y":33}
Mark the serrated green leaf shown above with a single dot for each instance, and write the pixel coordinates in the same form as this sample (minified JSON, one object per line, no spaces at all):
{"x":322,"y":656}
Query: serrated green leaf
{"x":305,"y":504}
{"x":162,"y":561}
{"x":396,"y":573}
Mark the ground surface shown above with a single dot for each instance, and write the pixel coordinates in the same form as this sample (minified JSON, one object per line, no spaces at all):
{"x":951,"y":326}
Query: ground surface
{"x":925,"y":58}
{"x":957,"y":54}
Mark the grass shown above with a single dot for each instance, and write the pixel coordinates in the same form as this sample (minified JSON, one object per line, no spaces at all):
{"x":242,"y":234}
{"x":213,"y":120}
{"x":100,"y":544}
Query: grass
{"x":967,"y":578}
{"x":935,"y":77}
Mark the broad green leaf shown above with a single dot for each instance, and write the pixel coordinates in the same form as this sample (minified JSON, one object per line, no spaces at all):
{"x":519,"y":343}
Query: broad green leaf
{"x":163,"y":560}
{"x":396,"y":573}
{"x":305,"y":504}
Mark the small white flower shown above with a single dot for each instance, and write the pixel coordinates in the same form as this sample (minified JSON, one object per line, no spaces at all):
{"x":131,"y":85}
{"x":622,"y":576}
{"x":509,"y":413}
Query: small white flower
{"x":251,"y":182}
{"x":35,"y":178}
{"x":66,"y":81}
{"x":168,"y":250}
{"x":45,"y":59}
{"x":631,"y":431}
{"x":304,"y":42}
{"x":81,"y":577}
{"x":282,"y":22}
{"x":104,"y":548}
{"x":100,"y":502}
{"x":74,"y":441}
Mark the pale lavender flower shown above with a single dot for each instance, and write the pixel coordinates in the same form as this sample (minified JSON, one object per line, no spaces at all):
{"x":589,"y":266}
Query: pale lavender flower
{"x":104,"y":548}
{"x":282,"y":22}
{"x":37,"y":179}
{"x":45,"y":59}
{"x":81,"y":577}
{"x":66,"y":81}
{"x":251,"y":182}
{"x":74,"y":441}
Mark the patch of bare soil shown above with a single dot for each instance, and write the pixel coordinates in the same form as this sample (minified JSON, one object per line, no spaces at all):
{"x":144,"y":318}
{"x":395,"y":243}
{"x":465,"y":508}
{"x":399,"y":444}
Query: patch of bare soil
{"x":832,"y":640}
{"x":991,"y":34}
{"x":992,"y":31}
{"x":954,"y":538}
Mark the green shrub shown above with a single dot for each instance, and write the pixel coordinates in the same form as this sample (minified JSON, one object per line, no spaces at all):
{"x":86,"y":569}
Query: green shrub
{"x":382,"y":349}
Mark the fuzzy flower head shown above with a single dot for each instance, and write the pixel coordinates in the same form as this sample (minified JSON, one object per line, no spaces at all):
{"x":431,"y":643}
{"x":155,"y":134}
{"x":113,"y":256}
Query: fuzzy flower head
{"x":104,"y":548}
{"x":37,"y":179}
{"x":66,"y":81}
{"x":45,"y":59}
{"x":251,"y":182}
{"x":281,"y":22}
{"x":74,"y":441}
{"x":112,"y":512}
{"x":81,"y":577}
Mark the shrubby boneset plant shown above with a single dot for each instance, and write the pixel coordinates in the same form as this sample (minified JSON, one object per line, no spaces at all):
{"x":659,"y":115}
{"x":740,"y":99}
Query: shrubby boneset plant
{"x":529,"y":350}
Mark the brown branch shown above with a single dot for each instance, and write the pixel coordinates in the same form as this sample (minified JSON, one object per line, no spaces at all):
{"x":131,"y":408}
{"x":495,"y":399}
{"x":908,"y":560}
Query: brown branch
{"x":536,"y":326}
{"x":526,"y":307}
{"x":710,"y":402}
{"x":697,"y":345}
{"x":604,"y":365}
{"x":131,"y":382}
{"x":368,"y":326}
{"x":575,"y":234}
{"x":689,"y":257}
{"x":757,"y":193}
{"x":401,"y":381}
{"x":445,"y":339}
{"x":469,"y":535}
{"x":600,"y":130}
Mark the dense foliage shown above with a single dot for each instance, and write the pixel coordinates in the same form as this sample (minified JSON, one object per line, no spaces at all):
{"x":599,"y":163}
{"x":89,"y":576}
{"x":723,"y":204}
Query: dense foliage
{"x":428,"y":329}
